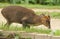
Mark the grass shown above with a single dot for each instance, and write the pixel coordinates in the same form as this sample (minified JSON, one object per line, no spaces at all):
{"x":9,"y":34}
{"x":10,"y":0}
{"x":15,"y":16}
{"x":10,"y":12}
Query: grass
{"x":41,"y":31}
{"x":38,"y":6}
{"x":57,"y":33}
{"x":31,"y":30}
{"x":55,"y":15}
{"x":52,"y":14}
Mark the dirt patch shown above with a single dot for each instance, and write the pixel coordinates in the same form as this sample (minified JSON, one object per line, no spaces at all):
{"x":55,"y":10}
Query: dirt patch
{"x":46,"y":10}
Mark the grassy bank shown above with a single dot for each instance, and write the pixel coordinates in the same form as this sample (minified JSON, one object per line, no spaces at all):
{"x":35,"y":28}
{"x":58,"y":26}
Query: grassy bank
{"x":52,"y":14}
{"x":31,"y":30}
{"x":38,"y":6}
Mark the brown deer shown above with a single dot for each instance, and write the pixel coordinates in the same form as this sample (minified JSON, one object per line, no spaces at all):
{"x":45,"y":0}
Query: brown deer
{"x":24,"y":16}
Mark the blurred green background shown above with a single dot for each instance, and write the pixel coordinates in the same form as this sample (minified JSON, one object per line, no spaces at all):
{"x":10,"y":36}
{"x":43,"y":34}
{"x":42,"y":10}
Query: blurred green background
{"x":43,"y":2}
{"x":39,"y":4}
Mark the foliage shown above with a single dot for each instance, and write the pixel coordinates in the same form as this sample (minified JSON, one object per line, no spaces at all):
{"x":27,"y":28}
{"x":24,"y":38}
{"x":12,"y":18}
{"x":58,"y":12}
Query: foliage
{"x":37,"y":6}
{"x":44,"y":2}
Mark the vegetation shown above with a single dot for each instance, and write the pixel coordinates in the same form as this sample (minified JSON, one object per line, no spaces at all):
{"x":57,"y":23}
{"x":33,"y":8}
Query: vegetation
{"x":52,"y":14}
{"x":38,"y":6}
{"x":43,"y":2}
{"x":55,"y":15}
{"x":57,"y":33}
{"x":31,"y":30}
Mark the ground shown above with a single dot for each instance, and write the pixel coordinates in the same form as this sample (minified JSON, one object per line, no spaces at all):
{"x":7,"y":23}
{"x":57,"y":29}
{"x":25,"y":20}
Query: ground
{"x":46,"y":10}
{"x":55,"y":23}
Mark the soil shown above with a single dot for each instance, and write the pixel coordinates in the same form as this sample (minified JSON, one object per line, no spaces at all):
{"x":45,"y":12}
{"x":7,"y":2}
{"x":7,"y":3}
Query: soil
{"x":46,"y":10}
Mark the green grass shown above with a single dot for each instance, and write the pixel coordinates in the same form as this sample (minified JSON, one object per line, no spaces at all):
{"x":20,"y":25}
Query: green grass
{"x":55,"y":15}
{"x":57,"y":33}
{"x":31,"y":30}
{"x":52,"y":14}
{"x":41,"y":31}
{"x":31,"y":6}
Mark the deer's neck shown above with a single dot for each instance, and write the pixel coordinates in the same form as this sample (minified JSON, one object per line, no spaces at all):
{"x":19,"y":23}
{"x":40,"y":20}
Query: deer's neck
{"x":37,"y":20}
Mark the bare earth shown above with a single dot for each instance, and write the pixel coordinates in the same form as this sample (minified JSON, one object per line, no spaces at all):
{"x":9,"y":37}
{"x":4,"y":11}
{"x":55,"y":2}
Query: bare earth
{"x":55,"y":23}
{"x":46,"y":10}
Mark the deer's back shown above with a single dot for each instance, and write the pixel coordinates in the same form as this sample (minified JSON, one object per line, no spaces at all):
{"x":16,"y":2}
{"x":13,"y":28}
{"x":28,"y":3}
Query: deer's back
{"x":16,"y":13}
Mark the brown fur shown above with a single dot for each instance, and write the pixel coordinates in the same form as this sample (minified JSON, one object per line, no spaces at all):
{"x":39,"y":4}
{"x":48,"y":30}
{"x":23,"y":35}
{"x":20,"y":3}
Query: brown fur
{"x":24,"y":16}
